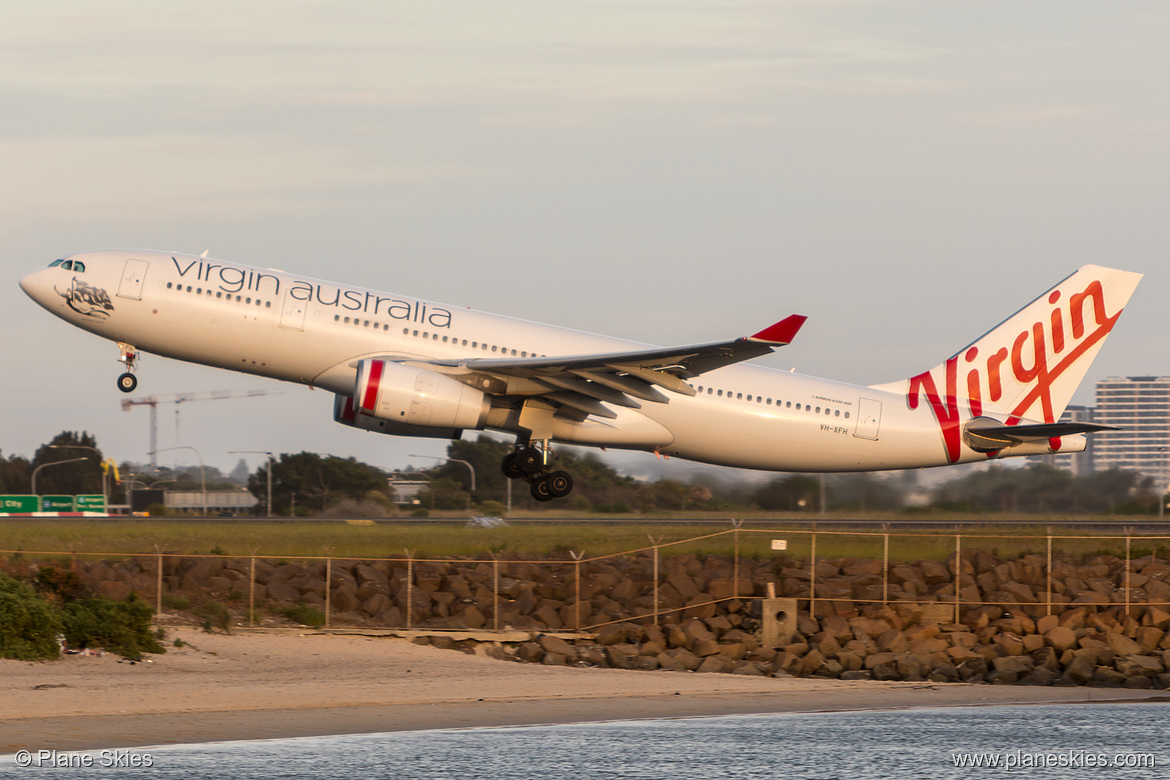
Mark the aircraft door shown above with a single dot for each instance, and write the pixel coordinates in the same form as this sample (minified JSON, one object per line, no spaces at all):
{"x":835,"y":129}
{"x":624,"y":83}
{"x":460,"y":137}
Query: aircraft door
{"x":292,"y":314}
{"x":869,"y":419}
{"x":133,"y":275}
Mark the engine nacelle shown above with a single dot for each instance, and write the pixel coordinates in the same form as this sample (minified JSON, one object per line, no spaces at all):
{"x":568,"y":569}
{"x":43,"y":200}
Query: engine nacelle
{"x":344,"y":413}
{"x":402,"y":395}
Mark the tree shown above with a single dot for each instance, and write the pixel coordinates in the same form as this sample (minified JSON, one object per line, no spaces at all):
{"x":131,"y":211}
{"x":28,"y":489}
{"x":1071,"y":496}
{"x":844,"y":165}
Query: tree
{"x":316,"y":481}
{"x":81,"y":477}
{"x":15,"y":472}
{"x":791,"y":493}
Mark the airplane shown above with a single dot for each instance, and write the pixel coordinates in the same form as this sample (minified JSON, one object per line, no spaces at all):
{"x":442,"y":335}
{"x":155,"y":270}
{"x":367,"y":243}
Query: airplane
{"x":403,"y":366}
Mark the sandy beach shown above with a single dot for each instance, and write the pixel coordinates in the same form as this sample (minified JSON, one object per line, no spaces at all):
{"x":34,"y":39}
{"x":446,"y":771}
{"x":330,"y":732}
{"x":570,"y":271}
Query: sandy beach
{"x":258,"y":686}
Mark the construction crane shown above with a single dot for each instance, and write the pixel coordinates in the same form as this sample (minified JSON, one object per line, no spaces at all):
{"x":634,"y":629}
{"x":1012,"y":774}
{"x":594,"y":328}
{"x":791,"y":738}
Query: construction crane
{"x":181,"y":398}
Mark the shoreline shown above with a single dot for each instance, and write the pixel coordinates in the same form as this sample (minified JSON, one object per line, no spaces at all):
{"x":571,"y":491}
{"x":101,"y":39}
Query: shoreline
{"x":226,"y":688}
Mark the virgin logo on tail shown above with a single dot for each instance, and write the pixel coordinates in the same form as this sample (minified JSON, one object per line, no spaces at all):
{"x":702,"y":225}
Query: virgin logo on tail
{"x":1029,"y":366}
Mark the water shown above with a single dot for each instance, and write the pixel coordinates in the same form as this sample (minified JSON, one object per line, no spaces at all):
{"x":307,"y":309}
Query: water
{"x":899,"y":744}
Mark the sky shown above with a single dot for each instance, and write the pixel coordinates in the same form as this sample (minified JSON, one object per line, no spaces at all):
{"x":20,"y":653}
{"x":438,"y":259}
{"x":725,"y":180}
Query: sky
{"x":905,"y":173}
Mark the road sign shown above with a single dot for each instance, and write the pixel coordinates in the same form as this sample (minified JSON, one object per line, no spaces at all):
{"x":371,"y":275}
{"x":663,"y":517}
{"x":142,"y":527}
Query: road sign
{"x":89,"y":503}
{"x":56,"y":503}
{"x":18,"y":505}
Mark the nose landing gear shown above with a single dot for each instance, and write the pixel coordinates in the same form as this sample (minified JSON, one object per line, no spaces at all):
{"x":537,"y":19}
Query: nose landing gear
{"x":128,"y":356}
{"x":531,"y":462}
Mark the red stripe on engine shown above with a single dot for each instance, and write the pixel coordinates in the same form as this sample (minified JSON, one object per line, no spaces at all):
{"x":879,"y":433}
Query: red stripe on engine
{"x":370,"y":397}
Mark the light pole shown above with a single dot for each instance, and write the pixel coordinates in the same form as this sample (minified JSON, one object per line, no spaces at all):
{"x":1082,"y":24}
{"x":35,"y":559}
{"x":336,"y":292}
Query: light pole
{"x":454,"y":460}
{"x":105,"y":471}
{"x":54,"y":463}
{"x":202,"y":473}
{"x":260,"y":452}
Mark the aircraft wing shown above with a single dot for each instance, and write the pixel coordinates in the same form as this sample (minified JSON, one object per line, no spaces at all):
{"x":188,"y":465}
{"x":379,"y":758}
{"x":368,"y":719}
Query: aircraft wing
{"x":578,"y":384}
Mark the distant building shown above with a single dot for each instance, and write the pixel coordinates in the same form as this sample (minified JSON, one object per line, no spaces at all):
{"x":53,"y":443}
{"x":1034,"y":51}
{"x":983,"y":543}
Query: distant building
{"x":218,"y":501}
{"x":1140,"y":406}
{"x":406,"y":490}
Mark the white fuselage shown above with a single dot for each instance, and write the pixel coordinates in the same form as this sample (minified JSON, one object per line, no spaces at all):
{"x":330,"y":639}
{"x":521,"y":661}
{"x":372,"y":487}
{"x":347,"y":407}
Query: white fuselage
{"x":293,"y":328}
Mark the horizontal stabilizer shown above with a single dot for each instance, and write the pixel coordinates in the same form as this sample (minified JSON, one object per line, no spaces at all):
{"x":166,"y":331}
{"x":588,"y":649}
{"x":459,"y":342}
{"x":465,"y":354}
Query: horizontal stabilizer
{"x":984,"y":434}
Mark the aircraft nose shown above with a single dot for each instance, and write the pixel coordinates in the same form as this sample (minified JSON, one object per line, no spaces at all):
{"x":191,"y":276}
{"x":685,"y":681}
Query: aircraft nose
{"x":34,"y":285}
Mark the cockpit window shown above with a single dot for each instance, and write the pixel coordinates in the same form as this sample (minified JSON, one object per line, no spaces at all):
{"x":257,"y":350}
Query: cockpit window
{"x":67,"y":265}
{"x":55,"y":263}
{"x":79,"y":266}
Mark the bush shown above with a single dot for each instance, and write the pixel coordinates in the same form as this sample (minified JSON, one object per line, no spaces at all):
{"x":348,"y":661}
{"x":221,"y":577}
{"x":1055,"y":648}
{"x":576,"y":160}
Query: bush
{"x":28,"y":624}
{"x":492,"y":508}
{"x":305,"y":615}
{"x":62,"y":584}
{"x":122,"y":627}
{"x":215,"y":615}
{"x":176,"y":601}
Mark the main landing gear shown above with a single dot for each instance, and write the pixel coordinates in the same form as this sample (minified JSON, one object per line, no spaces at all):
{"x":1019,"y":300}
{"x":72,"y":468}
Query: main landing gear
{"x":128,"y":356}
{"x":531,"y":462}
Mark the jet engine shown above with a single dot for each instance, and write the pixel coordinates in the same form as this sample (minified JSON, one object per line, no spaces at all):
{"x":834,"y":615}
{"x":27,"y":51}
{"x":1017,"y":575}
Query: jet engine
{"x":416,"y":398}
{"x":344,"y":413}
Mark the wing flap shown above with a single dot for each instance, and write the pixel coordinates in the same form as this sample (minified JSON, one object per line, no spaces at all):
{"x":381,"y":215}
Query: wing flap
{"x":585,"y":383}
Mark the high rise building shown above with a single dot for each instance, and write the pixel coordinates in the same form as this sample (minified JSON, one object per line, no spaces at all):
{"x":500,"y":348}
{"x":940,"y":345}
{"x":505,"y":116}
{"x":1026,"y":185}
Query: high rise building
{"x":1140,"y":406}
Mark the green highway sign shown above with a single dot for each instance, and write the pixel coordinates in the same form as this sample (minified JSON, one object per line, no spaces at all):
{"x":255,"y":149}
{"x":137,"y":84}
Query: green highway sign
{"x":56,"y":503}
{"x":89,"y":503}
{"x":18,"y":505}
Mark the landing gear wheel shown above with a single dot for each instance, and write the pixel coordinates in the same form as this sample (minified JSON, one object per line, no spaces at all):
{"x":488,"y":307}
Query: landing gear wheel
{"x":540,"y":490}
{"x":530,"y":460}
{"x":127,"y":382}
{"x":511,"y":466}
{"x":560,"y":484}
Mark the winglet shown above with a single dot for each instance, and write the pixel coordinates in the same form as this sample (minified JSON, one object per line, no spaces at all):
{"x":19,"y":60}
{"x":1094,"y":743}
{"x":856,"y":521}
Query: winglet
{"x":783,"y":332}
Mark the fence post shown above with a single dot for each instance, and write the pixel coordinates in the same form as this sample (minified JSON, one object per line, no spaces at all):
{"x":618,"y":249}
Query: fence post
{"x":159,"y":587}
{"x":577,"y":597}
{"x":958,"y":571}
{"x":812,"y":579}
{"x":409,"y":589}
{"x":252,"y":594}
{"x":1128,"y":531}
{"x":657,"y":604}
{"x":328,"y":587}
{"x":735,"y":566}
{"x":1048,"y":599}
{"x":495,"y":592}
{"x":886,"y":566}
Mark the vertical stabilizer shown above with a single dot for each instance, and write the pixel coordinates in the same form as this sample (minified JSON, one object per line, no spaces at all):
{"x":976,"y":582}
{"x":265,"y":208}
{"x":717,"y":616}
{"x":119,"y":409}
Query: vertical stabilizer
{"x":1029,"y":366}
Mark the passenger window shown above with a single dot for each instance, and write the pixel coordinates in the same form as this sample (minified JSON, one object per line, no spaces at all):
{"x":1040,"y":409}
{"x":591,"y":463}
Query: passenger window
{"x":219,"y":294}
{"x":168,"y":285}
{"x":739,"y":396}
{"x":720,"y":394}
{"x":749,"y":397}
{"x":846,"y":415}
{"x":347,"y":320}
{"x":837,"y":413}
